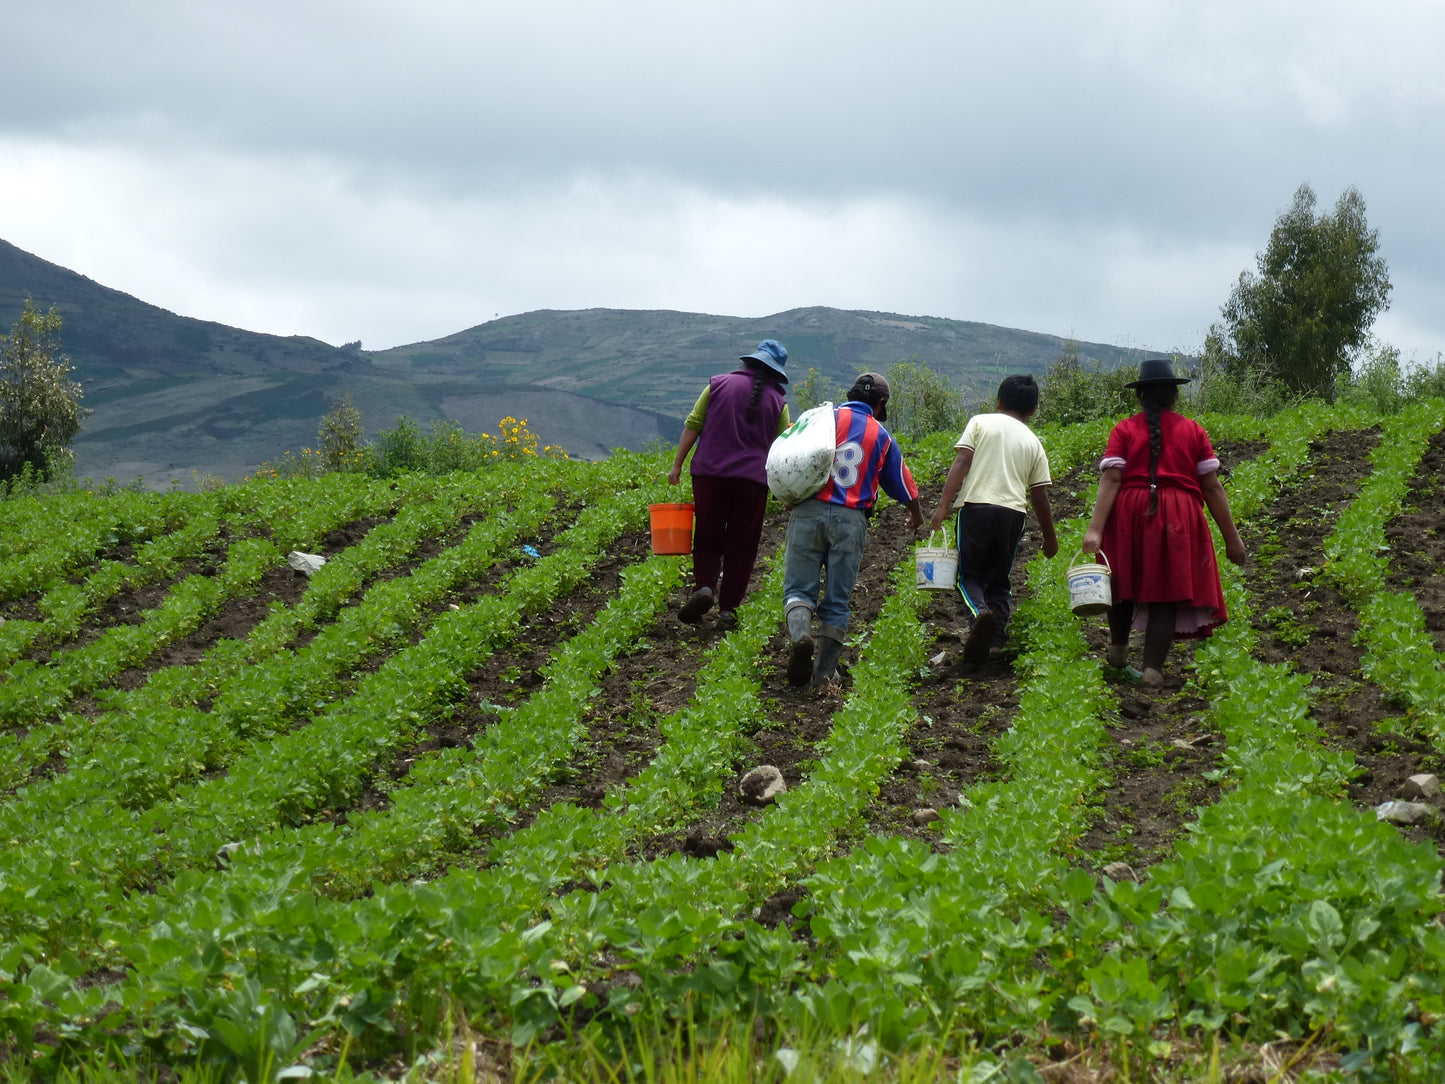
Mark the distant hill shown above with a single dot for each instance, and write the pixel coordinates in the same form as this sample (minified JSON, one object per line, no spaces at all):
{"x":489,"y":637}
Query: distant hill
{"x":173,"y":394}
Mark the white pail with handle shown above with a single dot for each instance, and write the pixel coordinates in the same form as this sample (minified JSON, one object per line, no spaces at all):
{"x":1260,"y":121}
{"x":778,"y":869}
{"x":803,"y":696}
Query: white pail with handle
{"x":1090,"y":591}
{"x":936,"y":566}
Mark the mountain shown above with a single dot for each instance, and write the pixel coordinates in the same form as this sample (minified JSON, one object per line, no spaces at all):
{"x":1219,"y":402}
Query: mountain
{"x":173,"y":395}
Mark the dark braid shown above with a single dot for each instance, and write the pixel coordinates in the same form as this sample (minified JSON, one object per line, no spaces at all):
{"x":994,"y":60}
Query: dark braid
{"x":763,"y":375}
{"x":1154,"y":398}
{"x":759,"y":382}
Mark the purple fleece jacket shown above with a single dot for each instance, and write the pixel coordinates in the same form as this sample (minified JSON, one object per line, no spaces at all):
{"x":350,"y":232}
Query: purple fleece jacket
{"x":729,"y":445}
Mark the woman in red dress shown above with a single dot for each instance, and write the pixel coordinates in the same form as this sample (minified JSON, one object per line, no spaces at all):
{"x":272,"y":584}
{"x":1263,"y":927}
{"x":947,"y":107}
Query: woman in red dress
{"x":1158,"y":474}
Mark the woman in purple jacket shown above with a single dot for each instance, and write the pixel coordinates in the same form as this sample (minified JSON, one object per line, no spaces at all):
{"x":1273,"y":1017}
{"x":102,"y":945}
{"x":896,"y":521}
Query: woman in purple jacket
{"x":733,"y":425}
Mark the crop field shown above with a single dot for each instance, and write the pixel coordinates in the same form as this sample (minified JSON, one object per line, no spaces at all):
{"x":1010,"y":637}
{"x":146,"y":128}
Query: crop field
{"x":473,"y":778}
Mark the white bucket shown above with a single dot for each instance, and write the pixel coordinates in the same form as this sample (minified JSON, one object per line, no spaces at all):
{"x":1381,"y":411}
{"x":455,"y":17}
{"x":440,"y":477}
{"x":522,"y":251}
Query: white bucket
{"x":1089,"y":590}
{"x":936,"y":566}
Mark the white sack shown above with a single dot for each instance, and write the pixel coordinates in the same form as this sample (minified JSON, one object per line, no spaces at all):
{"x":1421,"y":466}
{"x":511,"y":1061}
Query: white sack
{"x":801,"y":459}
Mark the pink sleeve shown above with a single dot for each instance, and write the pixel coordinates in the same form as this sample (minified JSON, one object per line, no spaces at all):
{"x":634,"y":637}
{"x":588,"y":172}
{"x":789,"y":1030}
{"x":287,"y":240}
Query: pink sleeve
{"x":1205,"y":460}
{"x":1116,"y":452}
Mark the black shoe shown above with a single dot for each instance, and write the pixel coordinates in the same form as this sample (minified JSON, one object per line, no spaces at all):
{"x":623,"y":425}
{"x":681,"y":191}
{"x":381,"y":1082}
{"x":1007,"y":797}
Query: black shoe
{"x":727,"y":619}
{"x":980,"y":637}
{"x":800,"y":662}
{"x":699,"y":604}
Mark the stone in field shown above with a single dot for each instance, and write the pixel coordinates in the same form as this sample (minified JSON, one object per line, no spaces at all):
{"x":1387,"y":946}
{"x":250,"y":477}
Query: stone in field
{"x":1423,"y":787}
{"x":1403,"y":812}
{"x":762,"y":785}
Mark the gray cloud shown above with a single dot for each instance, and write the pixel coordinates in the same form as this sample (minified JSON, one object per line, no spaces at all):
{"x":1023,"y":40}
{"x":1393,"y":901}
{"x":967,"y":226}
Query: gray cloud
{"x":1104,"y":168}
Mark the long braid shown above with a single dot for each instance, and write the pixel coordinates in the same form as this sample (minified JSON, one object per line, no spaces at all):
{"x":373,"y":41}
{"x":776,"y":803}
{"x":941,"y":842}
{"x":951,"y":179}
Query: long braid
{"x":1154,"y":398}
{"x":759,"y":382}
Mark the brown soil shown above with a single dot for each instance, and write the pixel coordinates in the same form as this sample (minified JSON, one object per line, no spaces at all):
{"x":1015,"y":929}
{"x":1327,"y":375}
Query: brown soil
{"x":1417,"y":544}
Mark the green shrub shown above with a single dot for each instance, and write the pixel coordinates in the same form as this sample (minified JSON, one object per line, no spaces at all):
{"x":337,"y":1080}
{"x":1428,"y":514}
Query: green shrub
{"x":1223,"y":385}
{"x":1071,"y":393}
{"x":1377,"y":383}
{"x":922,"y":401}
{"x":814,"y":390}
{"x":397,"y":450}
{"x":1426,"y":381}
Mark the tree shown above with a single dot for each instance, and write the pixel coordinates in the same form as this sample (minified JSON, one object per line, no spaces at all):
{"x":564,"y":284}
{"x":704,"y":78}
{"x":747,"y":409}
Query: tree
{"x":1304,"y":316}
{"x":40,"y":409}
{"x":340,"y":434}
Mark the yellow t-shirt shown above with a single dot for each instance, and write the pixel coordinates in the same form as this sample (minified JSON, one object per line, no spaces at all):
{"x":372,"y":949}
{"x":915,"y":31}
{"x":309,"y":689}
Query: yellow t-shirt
{"x":1008,"y":461}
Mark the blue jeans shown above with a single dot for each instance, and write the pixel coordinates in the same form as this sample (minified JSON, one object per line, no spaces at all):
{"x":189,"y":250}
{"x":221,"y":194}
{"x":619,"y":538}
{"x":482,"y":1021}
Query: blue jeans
{"x":823,"y":536}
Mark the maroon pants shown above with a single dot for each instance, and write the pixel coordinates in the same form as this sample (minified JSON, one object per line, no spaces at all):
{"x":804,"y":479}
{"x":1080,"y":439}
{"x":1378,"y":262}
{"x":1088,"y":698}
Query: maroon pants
{"x":728,"y":525}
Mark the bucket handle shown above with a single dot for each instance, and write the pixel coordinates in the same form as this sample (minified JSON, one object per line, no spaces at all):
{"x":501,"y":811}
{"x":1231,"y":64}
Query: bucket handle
{"x":941,"y":531}
{"x":1102,"y":554}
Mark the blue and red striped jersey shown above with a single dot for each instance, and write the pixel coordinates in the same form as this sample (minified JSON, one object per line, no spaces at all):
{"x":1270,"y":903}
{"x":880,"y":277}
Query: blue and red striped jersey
{"x":866,"y":457}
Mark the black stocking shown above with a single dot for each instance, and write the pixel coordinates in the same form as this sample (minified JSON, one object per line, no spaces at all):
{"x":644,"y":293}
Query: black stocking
{"x":1159,"y":634}
{"x":1121,"y":617}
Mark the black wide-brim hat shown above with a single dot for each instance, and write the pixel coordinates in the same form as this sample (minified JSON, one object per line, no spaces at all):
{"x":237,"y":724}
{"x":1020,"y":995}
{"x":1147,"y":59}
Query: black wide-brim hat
{"x":1157,"y":371}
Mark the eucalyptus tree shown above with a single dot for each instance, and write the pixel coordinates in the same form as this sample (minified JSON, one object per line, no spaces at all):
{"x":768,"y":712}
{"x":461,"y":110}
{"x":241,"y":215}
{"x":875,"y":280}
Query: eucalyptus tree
{"x":1303,"y":316}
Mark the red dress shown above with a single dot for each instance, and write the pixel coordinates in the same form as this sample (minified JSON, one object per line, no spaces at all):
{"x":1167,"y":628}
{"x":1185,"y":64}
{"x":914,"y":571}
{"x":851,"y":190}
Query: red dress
{"x":1166,"y":556}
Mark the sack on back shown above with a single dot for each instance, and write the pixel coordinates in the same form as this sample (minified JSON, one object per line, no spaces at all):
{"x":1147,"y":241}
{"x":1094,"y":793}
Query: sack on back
{"x":800,"y":460}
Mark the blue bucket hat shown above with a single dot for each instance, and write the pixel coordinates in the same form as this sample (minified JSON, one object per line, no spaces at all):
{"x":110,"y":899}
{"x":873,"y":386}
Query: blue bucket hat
{"x":773,"y":354}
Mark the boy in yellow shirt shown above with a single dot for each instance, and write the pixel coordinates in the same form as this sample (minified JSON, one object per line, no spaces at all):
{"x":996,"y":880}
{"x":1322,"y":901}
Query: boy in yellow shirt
{"x":1001,"y":468}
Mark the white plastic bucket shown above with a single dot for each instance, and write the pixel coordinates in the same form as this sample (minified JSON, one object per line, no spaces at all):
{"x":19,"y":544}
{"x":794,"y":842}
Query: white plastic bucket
{"x":936,"y":566}
{"x":1090,"y":592}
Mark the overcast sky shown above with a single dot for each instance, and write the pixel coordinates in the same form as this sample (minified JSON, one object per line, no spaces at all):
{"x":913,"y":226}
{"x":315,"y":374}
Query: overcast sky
{"x":1102,"y":169}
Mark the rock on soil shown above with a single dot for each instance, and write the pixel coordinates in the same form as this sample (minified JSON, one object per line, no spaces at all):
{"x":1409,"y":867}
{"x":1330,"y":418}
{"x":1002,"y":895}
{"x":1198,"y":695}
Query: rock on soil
{"x":762,"y":785}
{"x":1404,"y":812}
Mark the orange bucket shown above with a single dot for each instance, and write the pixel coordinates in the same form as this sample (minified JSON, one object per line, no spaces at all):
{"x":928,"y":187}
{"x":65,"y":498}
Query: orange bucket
{"x":671,"y":528}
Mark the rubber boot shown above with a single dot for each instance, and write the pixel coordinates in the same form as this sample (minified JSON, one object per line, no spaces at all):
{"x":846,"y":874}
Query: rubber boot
{"x":980,"y":637}
{"x":825,"y":666}
{"x":800,"y":632}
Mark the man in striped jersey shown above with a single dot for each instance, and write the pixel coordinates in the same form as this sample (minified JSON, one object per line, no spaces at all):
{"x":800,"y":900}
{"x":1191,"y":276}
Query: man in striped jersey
{"x":826,"y":532}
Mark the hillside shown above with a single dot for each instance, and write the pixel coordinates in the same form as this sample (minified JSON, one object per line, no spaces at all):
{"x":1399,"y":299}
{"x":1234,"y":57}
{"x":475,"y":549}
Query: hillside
{"x":660,"y":359}
{"x":173,"y":394}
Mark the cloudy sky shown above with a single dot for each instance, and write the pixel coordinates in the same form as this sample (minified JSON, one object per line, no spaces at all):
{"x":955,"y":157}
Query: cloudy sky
{"x":390,"y":172}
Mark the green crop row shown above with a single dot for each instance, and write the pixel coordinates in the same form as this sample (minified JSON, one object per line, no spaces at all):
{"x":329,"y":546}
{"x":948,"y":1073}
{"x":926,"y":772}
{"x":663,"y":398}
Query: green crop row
{"x":33,"y":692}
{"x":53,"y":540}
{"x":447,"y":795}
{"x":262,"y":925}
{"x":145,"y":716}
{"x":65,"y":607}
{"x":1400,"y":655}
{"x":910,"y":941}
{"x":321,"y":763}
